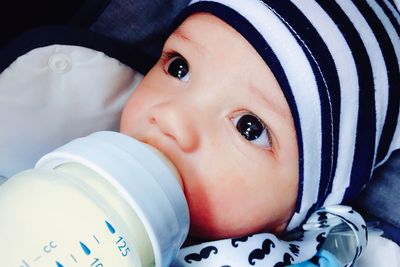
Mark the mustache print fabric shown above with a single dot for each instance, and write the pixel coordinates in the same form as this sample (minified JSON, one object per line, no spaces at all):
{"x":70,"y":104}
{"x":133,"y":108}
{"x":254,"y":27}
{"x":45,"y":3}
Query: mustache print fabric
{"x":266,"y":249}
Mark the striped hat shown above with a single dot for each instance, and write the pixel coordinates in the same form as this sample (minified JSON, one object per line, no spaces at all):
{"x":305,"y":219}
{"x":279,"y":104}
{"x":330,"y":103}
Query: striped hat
{"x":337,"y":63}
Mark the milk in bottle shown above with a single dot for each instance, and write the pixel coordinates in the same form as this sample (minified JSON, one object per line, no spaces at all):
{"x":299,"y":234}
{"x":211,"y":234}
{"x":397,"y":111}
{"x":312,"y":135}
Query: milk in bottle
{"x":102,"y":200}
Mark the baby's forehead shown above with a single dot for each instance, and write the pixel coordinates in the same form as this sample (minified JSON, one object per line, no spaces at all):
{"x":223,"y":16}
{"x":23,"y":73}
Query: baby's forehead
{"x":262,"y":73}
{"x":199,"y":25}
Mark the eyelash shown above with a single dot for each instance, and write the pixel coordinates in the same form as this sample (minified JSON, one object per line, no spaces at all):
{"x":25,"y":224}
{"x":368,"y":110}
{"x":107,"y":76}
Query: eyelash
{"x":166,"y":56}
{"x":176,"y":65}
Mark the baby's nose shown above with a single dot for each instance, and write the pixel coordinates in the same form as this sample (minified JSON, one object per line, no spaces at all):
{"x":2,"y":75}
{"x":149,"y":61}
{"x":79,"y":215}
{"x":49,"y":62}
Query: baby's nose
{"x":176,"y":122}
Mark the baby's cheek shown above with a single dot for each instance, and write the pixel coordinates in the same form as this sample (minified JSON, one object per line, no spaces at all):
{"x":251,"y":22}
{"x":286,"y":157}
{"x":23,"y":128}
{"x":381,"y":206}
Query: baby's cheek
{"x":216,"y":215}
{"x":199,"y":208}
{"x":223,"y":202}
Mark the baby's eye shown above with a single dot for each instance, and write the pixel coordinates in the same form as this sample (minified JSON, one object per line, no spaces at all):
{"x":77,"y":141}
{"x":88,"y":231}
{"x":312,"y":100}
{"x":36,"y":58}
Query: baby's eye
{"x":253,"y":129}
{"x":178,"y":67}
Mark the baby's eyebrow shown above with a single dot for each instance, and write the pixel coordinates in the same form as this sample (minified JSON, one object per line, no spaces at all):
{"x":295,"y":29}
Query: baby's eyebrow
{"x":181,"y":34}
{"x":269,"y":102}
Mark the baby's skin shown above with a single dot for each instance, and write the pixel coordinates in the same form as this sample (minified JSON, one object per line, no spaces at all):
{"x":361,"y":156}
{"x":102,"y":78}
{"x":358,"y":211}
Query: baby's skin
{"x":215,"y":109}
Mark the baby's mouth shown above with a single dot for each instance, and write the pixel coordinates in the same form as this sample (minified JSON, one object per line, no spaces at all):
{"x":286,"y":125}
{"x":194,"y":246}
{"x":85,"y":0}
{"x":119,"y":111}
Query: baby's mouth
{"x":162,"y":149}
{"x":164,"y":155}
{"x":168,"y":162}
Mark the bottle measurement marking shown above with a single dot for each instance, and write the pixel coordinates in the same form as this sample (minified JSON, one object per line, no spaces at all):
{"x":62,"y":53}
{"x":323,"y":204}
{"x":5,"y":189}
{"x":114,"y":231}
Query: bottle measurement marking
{"x":110,"y":227}
{"x":95,"y":238}
{"x":52,"y":245}
{"x":85,"y":248}
{"x":96,"y":263}
{"x":72,"y":256}
{"x":48,"y":248}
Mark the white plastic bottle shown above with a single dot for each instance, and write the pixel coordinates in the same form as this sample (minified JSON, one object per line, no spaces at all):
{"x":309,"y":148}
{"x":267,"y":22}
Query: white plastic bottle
{"x":98,"y":201}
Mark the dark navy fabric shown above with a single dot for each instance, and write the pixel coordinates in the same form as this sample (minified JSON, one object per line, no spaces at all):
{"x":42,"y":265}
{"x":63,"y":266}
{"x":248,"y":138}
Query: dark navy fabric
{"x":89,"y":12}
{"x":144,"y":23}
{"x":128,"y":54}
{"x":380,"y":198}
{"x":20,"y":16}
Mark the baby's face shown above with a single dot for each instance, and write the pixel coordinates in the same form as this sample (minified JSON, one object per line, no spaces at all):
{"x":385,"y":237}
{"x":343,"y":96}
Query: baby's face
{"x":214,"y":108}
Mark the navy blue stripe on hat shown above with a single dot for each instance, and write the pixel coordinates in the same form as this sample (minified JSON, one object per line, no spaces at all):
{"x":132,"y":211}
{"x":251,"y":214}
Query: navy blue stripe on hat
{"x":366,"y":123}
{"x":246,"y":29}
{"x":390,"y":11}
{"x":327,"y":79}
{"x":392,"y":2}
{"x":391,"y":62}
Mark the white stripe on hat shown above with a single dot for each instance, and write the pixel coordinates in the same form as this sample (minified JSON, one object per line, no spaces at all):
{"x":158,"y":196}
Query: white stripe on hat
{"x":379,"y":70}
{"x":397,"y":3}
{"x":391,"y":31}
{"x":347,"y":72}
{"x":392,"y":9}
{"x":395,"y":39}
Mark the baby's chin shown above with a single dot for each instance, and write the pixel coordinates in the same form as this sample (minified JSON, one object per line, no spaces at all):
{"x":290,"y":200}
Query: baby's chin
{"x":209,"y":229}
{"x":207,"y":232}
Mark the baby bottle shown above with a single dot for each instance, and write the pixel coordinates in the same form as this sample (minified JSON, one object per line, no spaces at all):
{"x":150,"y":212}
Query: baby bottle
{"x":102,"y":200}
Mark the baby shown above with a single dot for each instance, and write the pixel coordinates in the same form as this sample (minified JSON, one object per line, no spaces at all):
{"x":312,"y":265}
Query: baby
{"x":272,"y":109}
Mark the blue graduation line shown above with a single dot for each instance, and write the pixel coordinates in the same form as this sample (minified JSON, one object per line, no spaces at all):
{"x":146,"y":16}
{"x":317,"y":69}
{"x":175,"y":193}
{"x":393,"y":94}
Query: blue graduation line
{"x":59,"y":264}
{"x":85,"y":248}
{"x":110,"y":227}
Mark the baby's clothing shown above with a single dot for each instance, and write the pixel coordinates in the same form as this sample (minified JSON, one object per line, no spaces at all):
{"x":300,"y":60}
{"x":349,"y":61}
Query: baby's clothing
{"x":316,"y":239}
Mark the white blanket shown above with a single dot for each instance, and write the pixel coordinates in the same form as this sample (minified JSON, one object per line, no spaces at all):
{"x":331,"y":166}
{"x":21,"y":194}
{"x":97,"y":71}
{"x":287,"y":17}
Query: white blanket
{"x":380,"y":252}
{"x":54,"y":94}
